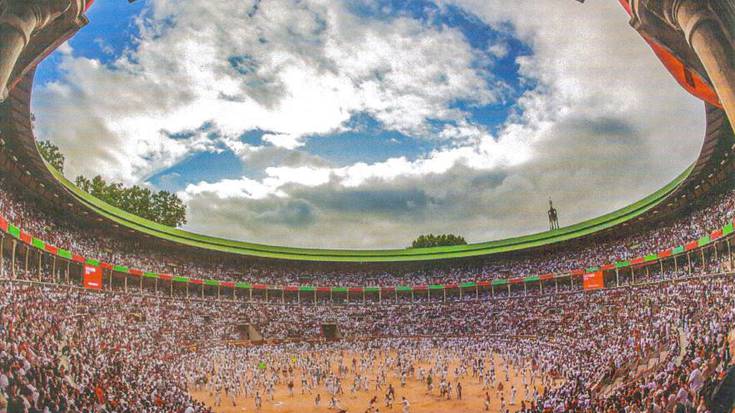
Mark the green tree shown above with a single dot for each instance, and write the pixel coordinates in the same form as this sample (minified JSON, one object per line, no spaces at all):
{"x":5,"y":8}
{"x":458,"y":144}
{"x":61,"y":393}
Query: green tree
{"x":99,"y":187}
{"x":169,"y":208}
{"x":84,"y":184}
{"x":51,"y":154}
{"x":162,"y":207}
{"x":443,"y":240}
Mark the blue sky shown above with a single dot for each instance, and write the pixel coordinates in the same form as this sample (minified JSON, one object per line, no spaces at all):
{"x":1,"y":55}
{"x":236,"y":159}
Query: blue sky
{"x":110,"y":31}
{"x":113,"y":30}
{"x":287,"y":121}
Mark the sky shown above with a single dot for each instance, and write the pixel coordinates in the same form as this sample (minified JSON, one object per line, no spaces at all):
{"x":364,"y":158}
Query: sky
{"x":363,"y":124}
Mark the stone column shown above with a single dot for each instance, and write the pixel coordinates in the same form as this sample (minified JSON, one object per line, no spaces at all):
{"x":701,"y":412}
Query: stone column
{"x":19,"y":21}
{"x":713,"y":44}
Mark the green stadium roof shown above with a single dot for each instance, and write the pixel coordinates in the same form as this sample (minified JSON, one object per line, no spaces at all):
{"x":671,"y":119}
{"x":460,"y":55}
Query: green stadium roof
{"x":179,"y":236}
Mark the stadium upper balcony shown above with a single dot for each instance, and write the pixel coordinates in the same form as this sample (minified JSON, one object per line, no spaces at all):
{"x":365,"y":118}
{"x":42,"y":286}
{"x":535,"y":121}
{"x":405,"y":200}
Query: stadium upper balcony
{"x":20,"y":158}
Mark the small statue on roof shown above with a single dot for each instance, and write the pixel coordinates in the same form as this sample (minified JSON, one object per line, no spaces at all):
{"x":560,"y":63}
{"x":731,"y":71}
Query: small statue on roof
{"x":553,"y":216}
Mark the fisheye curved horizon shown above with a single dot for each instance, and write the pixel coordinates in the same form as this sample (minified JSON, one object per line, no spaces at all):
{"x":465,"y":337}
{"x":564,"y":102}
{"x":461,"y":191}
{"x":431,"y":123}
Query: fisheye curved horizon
{"x":218,"y":207}
{"x":312,"y":195}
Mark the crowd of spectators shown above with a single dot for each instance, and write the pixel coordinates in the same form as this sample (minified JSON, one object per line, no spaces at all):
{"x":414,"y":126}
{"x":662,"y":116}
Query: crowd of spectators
{"x":70,"y":350}
{"x":61,"y":230}
{"x":659,"y":344}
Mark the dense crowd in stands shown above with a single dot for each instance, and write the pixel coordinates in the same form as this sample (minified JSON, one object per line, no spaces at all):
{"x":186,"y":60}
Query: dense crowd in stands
{"x":69,"y":350}
{"x":658,"y":344}
{"x":65,"y":232}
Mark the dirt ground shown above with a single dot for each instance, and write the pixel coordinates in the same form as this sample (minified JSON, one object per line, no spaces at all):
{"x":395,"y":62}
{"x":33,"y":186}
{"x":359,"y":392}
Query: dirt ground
{"x":415,"y":392}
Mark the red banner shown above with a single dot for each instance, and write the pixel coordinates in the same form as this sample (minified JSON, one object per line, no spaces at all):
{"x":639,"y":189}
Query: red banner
{"x":92,"y":277}
{"x":594,"y":281}
{"x":546,"y":277}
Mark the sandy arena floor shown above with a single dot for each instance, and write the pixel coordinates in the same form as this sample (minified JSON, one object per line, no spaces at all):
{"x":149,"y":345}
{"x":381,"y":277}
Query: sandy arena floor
{"x":415,"y":392}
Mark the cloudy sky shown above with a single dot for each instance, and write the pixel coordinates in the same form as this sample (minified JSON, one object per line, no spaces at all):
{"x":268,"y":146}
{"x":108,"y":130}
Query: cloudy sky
{"x":361,"y":124}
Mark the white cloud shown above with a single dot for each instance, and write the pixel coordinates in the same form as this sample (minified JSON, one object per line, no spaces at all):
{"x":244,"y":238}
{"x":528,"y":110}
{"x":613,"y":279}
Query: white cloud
{"x":482,"y":153}
{"x":294,"y":68}
{"x":499,"y":50}
{"x":603,"y":126}
{"x":252,"y":189}
{"x":230,"y":188}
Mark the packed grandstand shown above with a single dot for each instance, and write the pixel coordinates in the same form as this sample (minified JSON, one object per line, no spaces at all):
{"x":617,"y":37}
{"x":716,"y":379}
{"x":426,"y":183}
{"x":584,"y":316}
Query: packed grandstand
{"x":709,"y":214}
{"x":101,"y":312}
{"x":657,"y":338}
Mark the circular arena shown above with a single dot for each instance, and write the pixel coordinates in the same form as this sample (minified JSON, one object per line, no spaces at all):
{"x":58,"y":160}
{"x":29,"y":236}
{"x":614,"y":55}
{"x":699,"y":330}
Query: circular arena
{"x":105,"y":310}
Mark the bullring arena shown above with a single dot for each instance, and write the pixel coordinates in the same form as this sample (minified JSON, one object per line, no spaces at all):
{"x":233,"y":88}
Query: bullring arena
{"x":110,"y":309}
{"x":373,"y":374}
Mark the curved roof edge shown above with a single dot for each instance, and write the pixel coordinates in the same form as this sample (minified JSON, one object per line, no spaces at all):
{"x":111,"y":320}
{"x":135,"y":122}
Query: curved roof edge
{"x":191,"y":239}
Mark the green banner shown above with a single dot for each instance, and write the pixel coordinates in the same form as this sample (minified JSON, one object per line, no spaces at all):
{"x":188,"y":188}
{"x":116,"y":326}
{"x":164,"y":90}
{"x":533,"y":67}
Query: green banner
{"x":63,"y":253}
{"x":727,"y":229}
{"x":38,"y":243}
{"x":120,"y":268}
{"x":13,"y":230}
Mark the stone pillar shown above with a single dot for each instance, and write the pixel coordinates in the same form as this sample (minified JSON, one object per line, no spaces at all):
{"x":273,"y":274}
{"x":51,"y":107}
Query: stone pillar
{"x":19,"y":21}
{"x":713,"y":44}
{"x":2,"y":256}
{"x":12,"y":262}
{"x":40,"y":265}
